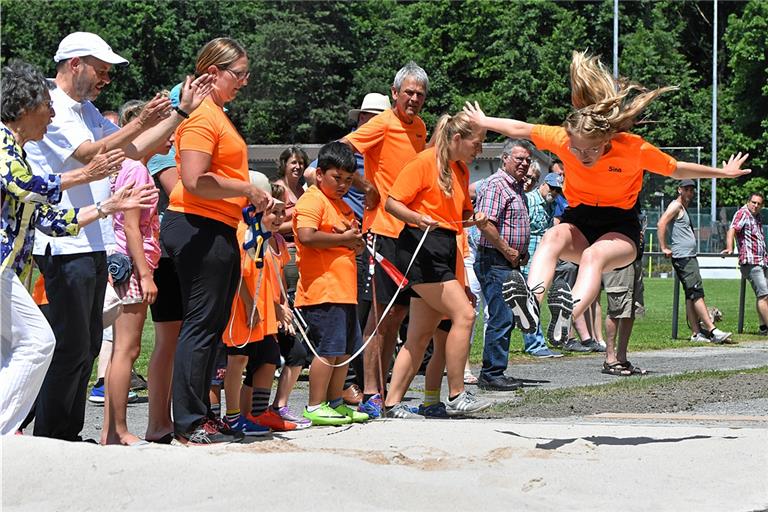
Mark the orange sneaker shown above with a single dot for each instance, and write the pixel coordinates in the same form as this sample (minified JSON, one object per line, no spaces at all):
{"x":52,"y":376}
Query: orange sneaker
{"x":271,"y":419}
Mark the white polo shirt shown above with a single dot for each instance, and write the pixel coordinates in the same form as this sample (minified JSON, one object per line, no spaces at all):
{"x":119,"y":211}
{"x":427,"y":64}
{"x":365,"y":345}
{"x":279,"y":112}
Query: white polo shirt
{"x":73,"y":124}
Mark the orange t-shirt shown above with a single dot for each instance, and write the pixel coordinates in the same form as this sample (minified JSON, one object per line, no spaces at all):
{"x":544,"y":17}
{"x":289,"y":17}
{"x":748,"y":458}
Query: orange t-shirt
{"x":387,"y":144}
{"x":325,"y":275}
{"x":417,"y":188}
{"x":616,"y":178}
{"x":278,"y":260}
{"x":237,"y":331}
{"x":210,"y":131}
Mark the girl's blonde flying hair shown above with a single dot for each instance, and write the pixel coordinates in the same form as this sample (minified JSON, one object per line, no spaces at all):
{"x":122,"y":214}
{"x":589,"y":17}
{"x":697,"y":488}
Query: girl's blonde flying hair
{"x":603,"y":105}
{"x":447,"y":127}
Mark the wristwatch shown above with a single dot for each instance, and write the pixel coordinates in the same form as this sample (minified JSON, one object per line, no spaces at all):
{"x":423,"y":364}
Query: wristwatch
{"x":101,"y":213}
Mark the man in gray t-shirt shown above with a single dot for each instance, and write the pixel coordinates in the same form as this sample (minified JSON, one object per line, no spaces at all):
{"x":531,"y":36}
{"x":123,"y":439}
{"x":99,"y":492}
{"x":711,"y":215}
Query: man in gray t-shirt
{"x":683,"y":254}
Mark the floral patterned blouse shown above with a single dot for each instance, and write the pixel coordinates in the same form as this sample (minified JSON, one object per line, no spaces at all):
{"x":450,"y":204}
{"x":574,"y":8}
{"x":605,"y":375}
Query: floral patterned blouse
{"x":26,"y":205}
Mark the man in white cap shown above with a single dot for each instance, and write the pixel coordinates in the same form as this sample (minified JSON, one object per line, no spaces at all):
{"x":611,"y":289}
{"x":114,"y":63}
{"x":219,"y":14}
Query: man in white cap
{"x":75,"y":269}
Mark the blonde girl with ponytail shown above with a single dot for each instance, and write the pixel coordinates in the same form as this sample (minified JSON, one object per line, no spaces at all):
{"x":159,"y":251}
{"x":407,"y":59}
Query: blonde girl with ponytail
{"x":604,"y":166}
{"x":431,"y":194}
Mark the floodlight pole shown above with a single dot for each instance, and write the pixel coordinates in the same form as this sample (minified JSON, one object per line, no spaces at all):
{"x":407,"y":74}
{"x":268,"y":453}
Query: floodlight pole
{"x":713,"y":206}
{"x":616,"y":38}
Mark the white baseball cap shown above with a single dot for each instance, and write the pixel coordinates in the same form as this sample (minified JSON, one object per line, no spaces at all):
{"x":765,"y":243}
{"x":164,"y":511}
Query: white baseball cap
{"x":81,"y":44}
{"x":373,"y":103}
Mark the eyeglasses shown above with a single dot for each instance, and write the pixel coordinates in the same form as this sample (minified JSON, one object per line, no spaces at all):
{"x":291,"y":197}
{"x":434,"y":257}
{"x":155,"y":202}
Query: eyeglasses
{"x":530,"y":178}
{"x":240,"y":75}
{"x":521,"y":159}
{"x":595,"y":151}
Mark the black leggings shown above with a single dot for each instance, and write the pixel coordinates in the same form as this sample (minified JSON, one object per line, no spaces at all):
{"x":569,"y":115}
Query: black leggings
{"x":207,"y":261}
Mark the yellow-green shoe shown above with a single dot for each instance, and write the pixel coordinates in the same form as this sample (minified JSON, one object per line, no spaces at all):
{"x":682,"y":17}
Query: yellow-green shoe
{"x":353,"y":415}
{"x":325,"y":416}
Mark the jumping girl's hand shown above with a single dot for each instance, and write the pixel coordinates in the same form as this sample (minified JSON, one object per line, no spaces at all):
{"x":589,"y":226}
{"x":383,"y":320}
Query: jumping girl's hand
{"x":476,"y":115}
{"x":425,"y":222}
{"x":733,"y":169}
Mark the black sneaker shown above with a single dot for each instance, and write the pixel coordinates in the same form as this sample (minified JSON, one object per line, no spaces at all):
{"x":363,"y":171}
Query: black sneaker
{"x":209,"y":433}
{"x":574,"y":345}
{"x":560,"y":307}
{"x":138,"y":382}
{"x":522,"y":302}
{"x":593,"y":345}
{"x":502,"y":383}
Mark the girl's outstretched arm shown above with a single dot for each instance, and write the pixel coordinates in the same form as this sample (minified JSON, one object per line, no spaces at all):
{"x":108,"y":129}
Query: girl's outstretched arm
{"x":509,"y":127}
{"x":730,"y":169}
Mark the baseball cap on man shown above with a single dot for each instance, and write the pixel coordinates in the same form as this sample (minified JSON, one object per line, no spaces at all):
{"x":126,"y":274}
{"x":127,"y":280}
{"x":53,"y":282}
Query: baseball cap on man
{"x":554,"y":180}
{"x":373,"y":103}
{"x":81,"y":44}
{"x":686,"y":183}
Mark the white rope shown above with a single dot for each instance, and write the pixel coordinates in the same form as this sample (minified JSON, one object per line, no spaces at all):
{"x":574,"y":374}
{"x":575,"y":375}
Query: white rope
{"x":299,"y":316}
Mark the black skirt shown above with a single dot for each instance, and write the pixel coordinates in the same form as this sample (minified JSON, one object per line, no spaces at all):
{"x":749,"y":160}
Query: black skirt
{"x":596,"y":221}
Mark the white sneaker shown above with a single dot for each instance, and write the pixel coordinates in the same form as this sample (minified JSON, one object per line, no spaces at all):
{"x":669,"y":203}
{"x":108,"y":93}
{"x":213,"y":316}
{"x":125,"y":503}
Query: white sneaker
{"x":466,"y":403}
{"x":700,"y":338}
{"x":719,"y":336}
{"x":522,"y":302}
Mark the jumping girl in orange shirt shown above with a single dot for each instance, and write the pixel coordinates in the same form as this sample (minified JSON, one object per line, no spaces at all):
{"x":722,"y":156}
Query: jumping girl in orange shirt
{"x":604,"y":165}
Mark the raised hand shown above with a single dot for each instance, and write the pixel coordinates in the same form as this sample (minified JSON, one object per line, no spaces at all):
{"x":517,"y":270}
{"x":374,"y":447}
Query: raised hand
{"x":156,"y":109}
{"x":193,"y":92}
{"x":733,"y":168}
{"x":128,"y":197}
{"x":475,"y":113}
{"x":103,"y":164}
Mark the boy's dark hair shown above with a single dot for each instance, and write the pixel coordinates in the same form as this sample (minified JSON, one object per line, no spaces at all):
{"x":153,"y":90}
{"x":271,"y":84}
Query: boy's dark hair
{"x":336,"y":155}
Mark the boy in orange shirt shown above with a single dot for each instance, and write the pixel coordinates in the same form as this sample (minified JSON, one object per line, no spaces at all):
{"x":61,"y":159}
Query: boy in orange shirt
{"x":250,"y":335}
{"x":327,"y":237}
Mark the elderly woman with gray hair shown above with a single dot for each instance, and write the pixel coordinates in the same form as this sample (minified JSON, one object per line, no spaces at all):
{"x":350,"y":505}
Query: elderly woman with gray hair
{"x":27,"y":340}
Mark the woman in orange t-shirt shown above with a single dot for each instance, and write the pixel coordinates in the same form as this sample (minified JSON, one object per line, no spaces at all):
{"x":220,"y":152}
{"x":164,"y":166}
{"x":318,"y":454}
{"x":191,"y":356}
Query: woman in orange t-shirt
{"x":199,"y":233}
{"x":432,"y":193}
{"x":604,"y":170}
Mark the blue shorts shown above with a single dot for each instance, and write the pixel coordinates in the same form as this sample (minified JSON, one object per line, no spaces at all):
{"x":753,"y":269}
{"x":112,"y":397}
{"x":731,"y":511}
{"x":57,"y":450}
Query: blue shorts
{"x":333,"y":328}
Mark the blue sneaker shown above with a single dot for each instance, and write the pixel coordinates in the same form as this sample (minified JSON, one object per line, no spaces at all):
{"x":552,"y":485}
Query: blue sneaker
{"x":97,"y":395}
{"x":372,"y":407}
{"x":247,"y":427}
{"x":433,"y":411}
{"x":545,"y":353}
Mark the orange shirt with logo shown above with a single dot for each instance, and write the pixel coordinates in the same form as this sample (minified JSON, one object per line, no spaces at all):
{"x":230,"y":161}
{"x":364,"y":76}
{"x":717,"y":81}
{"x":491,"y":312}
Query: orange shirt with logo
{"x":325,"y":275}
{"x":387,"y":144}
{"x":417,"y":188}
{"x":616,"y":178}
{"x":210,"y":131}
{"x":259,"y":284}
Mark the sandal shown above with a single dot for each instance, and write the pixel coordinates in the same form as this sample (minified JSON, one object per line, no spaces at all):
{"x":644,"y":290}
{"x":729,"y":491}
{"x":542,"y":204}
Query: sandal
{"x":617,"y":369}
{"x":636,"y":370}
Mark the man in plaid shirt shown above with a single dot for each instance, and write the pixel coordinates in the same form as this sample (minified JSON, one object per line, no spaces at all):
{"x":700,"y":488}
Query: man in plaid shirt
{"x":501,"y":250}
{"x":747,"y":229}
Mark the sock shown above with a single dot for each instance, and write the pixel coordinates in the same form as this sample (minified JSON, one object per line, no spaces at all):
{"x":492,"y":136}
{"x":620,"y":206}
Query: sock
{"x":431,"y":397}
{"x":260,"y":401}
{"x":763,"y":327}
{"x":452,"y":398}
{"x":313,"y":408}
{"x":233,"y":415}
{"x":335,"y":402}
{"x":367,"y":397}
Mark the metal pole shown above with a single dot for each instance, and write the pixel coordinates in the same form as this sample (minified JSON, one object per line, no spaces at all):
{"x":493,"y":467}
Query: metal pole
{"x":675,"y":303}
{"x":742,"y":291}
{"x":698,"y":202}
{"x":713,"y":206}
{"x":616,"y":38}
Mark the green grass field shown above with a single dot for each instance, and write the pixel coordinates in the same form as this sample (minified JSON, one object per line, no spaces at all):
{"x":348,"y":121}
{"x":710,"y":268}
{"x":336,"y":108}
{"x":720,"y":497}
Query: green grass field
{"x":652,"y":332}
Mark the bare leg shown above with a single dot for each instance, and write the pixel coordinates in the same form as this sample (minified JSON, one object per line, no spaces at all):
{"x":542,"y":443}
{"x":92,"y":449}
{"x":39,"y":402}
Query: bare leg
{"x":607,"y":253}
{"x":611,"y":330}
{"x":160,"y":377}
{"x":233,"y":381}
{"x":762,"y":310}
{"x":690,"y":314}
{"x":125,"y":350}
{"x":379,"y":351}
{"x":320,"y":376}
{"x":433,"y":376}
{"x":597,"y":323}
{"x":563,"y":241}
{"x":700,"y":311}
{"x":288,"y":378}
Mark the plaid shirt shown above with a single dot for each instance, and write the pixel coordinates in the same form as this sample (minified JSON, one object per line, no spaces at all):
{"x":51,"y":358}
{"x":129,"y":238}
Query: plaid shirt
{"x":750,"y":238}
{"x":502,"y":199}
